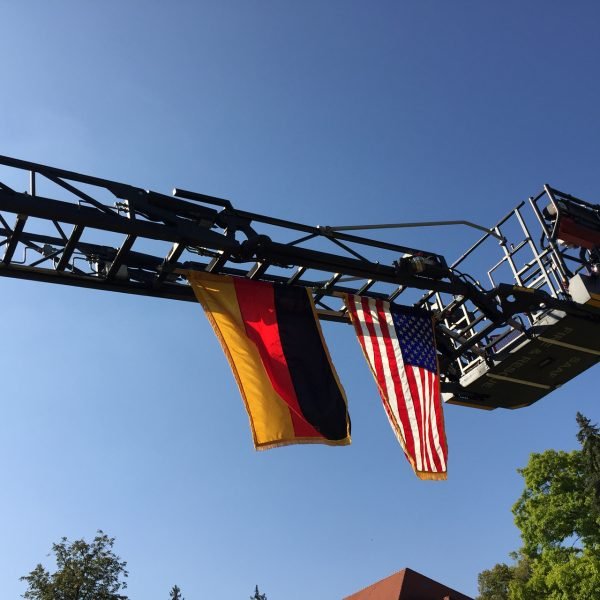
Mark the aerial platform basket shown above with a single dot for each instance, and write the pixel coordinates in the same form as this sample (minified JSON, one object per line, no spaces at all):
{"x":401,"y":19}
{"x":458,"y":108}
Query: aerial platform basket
{"x":543,"y":347}
{"x":555,"y":350}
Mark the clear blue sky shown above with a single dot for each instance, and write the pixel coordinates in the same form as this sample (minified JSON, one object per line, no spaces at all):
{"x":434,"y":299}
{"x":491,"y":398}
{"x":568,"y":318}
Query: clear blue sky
{"x":120,"y":412}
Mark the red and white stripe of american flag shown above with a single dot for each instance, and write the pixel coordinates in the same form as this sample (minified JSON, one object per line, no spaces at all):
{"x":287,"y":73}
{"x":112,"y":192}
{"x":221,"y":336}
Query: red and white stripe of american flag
{"x":411,"y":395}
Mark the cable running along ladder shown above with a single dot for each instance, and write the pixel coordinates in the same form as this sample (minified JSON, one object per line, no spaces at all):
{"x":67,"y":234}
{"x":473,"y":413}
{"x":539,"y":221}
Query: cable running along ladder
{"x":534,"y":327}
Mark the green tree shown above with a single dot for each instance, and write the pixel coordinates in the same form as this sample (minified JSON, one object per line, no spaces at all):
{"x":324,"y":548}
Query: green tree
{"x":257,"y":595}
{"x":83,"y":571}
{"x":175,"y":593}
{"x":589,"y":438}
{"x":560,"y":528}
{"x":493,"y":583}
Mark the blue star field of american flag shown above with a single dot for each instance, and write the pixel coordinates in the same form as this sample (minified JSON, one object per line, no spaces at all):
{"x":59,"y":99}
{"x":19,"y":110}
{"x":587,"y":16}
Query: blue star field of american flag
{"x":415,"y":334}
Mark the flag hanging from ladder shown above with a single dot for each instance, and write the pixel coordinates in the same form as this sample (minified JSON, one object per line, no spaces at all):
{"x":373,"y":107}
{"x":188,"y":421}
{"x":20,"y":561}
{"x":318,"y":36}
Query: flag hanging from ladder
{"x":273,"y":341}
{"x":399,"y":345}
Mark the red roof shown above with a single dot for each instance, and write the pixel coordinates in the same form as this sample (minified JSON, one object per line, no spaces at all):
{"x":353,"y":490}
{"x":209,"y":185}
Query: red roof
{"x":407,"y":585}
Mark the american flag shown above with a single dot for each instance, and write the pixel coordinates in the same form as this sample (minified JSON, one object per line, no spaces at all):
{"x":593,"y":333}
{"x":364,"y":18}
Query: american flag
{"x":399,"y":345}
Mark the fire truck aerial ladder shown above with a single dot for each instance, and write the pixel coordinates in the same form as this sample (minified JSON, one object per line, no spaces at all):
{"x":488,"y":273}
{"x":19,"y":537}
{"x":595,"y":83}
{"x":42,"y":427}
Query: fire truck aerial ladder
{"x":532,"y":327}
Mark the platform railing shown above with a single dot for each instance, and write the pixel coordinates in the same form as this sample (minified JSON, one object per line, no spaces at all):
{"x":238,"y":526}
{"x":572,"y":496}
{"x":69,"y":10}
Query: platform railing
{"x":534,"y":259}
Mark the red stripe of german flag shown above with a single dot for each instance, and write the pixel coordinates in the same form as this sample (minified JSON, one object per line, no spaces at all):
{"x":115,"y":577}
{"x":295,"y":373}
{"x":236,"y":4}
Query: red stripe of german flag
{"x":275,"y":347}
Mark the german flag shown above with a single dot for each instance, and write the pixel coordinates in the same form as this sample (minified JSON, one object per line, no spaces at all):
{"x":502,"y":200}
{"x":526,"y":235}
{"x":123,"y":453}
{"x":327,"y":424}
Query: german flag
{"x":275,"y":348}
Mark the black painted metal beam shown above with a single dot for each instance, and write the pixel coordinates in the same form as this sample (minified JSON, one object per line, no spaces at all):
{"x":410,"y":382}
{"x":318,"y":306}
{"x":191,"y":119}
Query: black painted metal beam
{"x":13,"y":239}
{"x":120,"y":257}
{"x":65,"y":212}
{"x":70,"y":247}
{"x":170,"y":260}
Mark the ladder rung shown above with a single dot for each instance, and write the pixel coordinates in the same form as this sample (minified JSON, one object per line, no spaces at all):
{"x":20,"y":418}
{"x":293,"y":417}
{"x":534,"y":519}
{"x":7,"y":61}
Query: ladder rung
{"x":120,"y":257}
{"x":215,"y":265}
{"x":173,"y":256}
{"x":14,"y":238}
{"x":70,"y":247}
{"x":257,"y":270}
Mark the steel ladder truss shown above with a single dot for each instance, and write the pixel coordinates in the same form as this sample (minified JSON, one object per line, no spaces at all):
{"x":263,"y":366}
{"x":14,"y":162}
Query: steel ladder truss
{"x":85,"y":231}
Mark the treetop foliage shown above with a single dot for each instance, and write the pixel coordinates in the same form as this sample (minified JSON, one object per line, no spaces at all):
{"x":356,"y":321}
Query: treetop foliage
{"x":83,"y":570}
{"x":257,"y":595}
{"x":589,"y":438}
{"x":175,"y":593}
